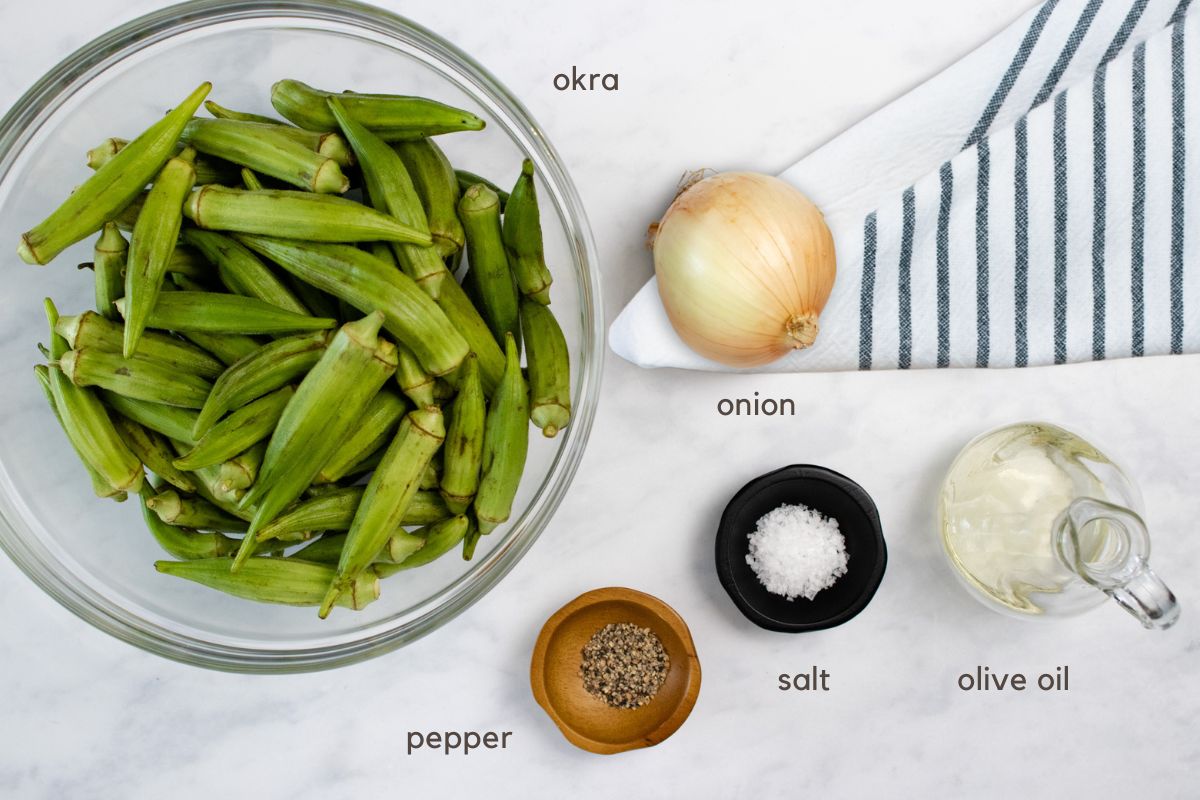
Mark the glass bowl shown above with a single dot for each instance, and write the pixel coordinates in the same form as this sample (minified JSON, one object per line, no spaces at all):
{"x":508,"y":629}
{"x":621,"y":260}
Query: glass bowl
{"x":95,"y":556}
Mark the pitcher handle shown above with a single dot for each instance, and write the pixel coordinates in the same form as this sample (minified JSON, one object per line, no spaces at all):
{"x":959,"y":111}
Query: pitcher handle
{"x":1121,"y":568}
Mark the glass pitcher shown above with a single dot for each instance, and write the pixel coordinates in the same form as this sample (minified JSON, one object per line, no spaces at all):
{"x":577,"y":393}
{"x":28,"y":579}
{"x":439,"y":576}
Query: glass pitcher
{"x":1038,"y":523}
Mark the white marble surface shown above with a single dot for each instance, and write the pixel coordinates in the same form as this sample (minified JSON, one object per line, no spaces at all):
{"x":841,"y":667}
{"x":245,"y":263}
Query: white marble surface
{"x":83,"y":715}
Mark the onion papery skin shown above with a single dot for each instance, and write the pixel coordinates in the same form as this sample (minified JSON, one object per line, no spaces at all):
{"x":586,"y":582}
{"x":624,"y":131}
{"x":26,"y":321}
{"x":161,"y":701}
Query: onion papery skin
{"x":745,"y":265}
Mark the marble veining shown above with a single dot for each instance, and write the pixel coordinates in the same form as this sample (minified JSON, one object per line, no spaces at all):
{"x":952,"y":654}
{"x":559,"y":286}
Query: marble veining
{"x":83,"y":715}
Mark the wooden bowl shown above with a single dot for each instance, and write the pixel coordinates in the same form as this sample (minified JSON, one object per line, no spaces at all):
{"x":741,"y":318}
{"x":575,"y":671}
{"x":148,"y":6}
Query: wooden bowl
{"x":587,"y":721}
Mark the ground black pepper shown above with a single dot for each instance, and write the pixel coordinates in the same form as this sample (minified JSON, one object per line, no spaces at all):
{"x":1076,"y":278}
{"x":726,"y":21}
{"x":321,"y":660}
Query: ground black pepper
{"x":624,"y":665}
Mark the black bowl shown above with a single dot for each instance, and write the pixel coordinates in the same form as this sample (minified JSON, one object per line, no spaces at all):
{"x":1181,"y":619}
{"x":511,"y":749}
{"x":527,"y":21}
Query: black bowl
{"x":829,"y":493}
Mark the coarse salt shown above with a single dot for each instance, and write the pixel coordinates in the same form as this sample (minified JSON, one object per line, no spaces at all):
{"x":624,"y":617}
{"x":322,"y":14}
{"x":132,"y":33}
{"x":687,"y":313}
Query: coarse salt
{"x":797,"y":552}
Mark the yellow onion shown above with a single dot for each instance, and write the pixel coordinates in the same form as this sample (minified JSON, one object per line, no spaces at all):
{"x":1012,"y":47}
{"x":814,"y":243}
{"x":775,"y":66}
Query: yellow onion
{"x":745,"y":264}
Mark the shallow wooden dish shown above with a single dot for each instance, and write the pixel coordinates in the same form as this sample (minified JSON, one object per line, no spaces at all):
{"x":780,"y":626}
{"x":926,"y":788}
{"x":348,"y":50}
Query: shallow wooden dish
{"x":588,"y":722}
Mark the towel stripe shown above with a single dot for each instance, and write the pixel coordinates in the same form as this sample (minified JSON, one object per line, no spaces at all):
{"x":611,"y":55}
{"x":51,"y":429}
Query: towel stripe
{"x":1178,"y":155}
{"x":866,"y":303}
{"x":982,"y":321}
{"x":1180,"y":12}
{"x":1021,"y":248}
{"x":1099,"y":176}
{"x":1012,"y":73}
{"x":1126,"y":30}
{"x":1099,"y":211}
{"x":909,"y":216}
{"x":1060,"y":228}
{"x":1138,"y":214}
{"x":1064,"y":58}
{"x":946,"y":173}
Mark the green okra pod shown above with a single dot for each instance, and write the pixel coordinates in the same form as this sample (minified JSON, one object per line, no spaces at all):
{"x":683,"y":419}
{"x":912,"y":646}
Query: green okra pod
{"x":467,"y":320}
{"x":364,"y":466}
{"x":111,"y":188}
{"x":414,"y":381}
{"x":284,"y":581}
{"x":241,"y":471}
{"x":320,"y":489}
{"x":187,"y":284}
{"x":402,"y":551}
{"x":208,"y":170}
{"x":391,"y":117}
{"x":215,"y":484}
{"x":182,"y":543}
{"x":241,"y":271}
{"x":87,"y":424}
{"x":221,"y":112}
{"x":139,"y":378}
{"x":368,"y":284}
{"x":329,"y":145}
{"x":505,"y":444}
{"x":102,"y":153}
{"x":388,"y":493}
{"x":373,"y":431}
{"x":89,"y":330}
{"x":469,"y":541}
{"x":192,"y":512}
{"x":468,"y":179}
{"x":454,"y":263}
{"x":238,"y":432}
{"x":463,"y":451}
{"x":443,"y":390}
{"x":330,"y":511}
{"x":229,"y":348}
{"x":326,"y":406}
{"x":171,"y":421}
{"x":549,"y":364}
{"x":432,"y":477}
{"x":269,"y":150}
{"x":325,"y":550}
{"x":265,"y":369}
{"x":437,"y":186}
{"x":100,"y":485}
{"x":251,"y":181}
{"x":295,"y":215}
{"x":421,"y":547}
{"x":398,"y":547}
{"x":153,"y":451}
{"x":186,"y":261}
{"x":489,"y":276}
{"x":108,"y":262}
{"x":212,"y":312}
{"x":523,"y":238}
{"x":126,"y":217}
{"x":332,"y":145}
{"x":316,"y":301}
{"x":391,"y":190}
{"x":334,"y":511}
{"x":214,"y":170}
{"x":213,"y":488}
{"x":383,"y":252}
{"x":153,"y":241}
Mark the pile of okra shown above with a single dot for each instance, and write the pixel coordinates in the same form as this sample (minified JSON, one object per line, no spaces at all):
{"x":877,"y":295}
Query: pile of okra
{"x":299,"y":368}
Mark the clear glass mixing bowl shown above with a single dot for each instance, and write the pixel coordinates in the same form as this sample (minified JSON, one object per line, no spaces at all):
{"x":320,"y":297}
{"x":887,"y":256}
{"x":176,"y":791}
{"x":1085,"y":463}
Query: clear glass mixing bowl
{"x":94,"y":556}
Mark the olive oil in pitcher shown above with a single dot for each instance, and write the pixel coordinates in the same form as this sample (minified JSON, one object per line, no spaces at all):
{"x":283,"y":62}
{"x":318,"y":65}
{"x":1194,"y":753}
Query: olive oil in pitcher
{"x":1035,"y":519}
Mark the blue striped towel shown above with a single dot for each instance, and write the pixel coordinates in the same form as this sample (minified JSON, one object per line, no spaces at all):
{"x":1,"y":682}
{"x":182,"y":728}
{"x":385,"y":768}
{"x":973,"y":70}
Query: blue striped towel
{"x":1036,"y":203}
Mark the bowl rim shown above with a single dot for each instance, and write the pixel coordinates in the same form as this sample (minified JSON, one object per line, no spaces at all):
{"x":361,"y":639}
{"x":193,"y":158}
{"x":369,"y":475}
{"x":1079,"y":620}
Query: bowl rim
{"x":19,"y":126}
{"x":794,"y":473}
{"x":669,"y":616}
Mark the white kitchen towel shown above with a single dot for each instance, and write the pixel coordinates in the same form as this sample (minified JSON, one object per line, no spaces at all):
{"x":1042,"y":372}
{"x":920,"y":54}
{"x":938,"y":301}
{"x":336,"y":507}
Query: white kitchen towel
{"x":1036,"y":203}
